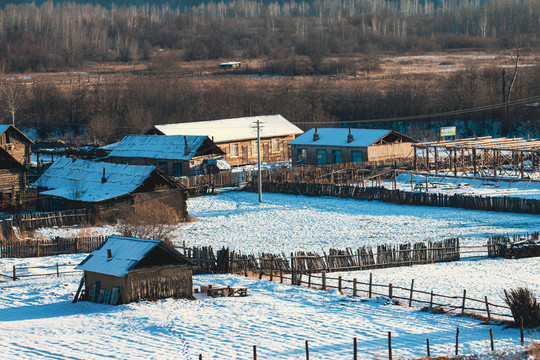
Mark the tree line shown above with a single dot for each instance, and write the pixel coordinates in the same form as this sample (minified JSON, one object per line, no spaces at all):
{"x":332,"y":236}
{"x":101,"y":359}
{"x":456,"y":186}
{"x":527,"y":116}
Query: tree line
{"x":105,"y":112}
{"x":58,"y":35}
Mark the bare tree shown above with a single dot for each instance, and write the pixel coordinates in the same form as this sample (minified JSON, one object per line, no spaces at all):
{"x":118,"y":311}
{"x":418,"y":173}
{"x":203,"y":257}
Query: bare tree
{"x":12,"y":95}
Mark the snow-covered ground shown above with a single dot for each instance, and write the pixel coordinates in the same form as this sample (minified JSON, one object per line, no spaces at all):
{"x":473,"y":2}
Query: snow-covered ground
{"x":467,"y":186}
{"x":286,"y":223}
{"x":38,"y":320}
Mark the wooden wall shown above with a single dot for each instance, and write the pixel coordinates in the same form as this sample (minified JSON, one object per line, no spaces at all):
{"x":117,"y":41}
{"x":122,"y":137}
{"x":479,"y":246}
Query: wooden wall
{"x":246,"y":156}
{"x":16,"y":146}
{"x":389,"y":151}
{"x":12,"y":180}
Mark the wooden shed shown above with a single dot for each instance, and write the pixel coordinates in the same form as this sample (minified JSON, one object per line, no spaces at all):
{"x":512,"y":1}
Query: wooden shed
{"x":107,"y":189}
{"x":123,"y":270}
{"x":337,"y":145}
{"x":237,"y":137}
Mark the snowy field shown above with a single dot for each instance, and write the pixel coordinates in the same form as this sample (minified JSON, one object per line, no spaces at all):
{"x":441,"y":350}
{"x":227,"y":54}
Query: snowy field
{"x":38,"y":320}
{"x":467,"y":186}
{"x":286,"y":223}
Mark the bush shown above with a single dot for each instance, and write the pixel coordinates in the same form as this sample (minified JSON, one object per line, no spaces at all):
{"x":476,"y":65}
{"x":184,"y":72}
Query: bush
{"x":149,"y":220}
{"x":524,"y":306}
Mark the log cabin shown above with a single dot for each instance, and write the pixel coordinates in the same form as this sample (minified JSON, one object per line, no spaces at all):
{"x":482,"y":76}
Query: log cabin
{"x":108,"y":189}
{"x":177,"y":155}
{"x":124,"y":270}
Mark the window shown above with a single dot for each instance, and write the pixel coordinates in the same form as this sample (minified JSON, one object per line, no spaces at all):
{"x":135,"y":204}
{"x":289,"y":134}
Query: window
{"x":356,"y":156}
{"x":337,"y":156}
{"x":301,"y":156}
{"x":254,"y":148}
{"x":177,"y":169}
{"x":321,"y":156}
{"x":234,"y":150}
{"x":275,"y":145}
{"x":163,"y":166}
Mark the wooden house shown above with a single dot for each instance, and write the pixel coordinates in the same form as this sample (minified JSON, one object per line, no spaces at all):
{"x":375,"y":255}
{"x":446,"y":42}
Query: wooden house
{"x":238,"y":137}
{"x":177,"y":155}
{"x":123,"y":270}
{"x":107,"y":189}
{"x":14,"y":161}
{"x":321,"y":146}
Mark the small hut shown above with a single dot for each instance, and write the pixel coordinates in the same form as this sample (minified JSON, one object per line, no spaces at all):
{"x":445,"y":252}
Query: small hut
{"x":123,"y":270}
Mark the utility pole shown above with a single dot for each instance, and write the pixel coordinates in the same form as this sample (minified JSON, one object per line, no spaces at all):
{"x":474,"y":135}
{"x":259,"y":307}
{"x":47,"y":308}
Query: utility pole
{"x":259,"y":180}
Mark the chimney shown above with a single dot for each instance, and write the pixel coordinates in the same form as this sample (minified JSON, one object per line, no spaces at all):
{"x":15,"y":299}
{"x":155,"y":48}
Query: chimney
{"x":186,"y":148}
{"x":103,"y":178}
{"x":109,"y":255}
{"x":315,"y":135}
{"x":350,"y":137}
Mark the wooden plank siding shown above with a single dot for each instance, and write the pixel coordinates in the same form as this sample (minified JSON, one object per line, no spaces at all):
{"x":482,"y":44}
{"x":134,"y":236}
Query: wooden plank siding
{"x":246,"y":155}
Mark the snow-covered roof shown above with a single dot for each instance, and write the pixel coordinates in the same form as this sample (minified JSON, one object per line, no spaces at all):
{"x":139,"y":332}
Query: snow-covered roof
{"x":81,"y":180}
{"x":226,"y":130}
{"x":338,"y":137}
{"x":158,"y":147}
{"x":126,"y":254}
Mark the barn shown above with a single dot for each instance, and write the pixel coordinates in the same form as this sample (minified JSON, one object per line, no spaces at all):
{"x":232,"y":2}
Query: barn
{"x":237,"y":137}
{"x":321,"y":146}
{"x":124,"y":270}
{"x":177,"y":155}
{"x":107,"y":189}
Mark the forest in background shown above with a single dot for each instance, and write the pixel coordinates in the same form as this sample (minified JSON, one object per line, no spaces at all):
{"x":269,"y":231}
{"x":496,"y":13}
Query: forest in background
{"x":313,"y":41}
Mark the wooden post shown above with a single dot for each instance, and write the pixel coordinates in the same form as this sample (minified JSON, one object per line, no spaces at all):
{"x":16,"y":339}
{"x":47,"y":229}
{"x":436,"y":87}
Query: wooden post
{"x":307,"y":350}
{"x":309,"y":280}
{"x":354,"y":287}
{"x":254,"y":352}
{"x":389,"y":345}
{"x":427,"y":182}
{"x":355,"y":349}
{"x":457,"y":341}
{"x":14,"y":273}
{"x":339,"y":283}
{"x":491,"y":338}
{"x":390,"y":291}
{"x":245,"y":269}
{"x":323,"y":280}
{"x":200,"y":356}
{"x":57,"y":270}
{"x":428,"y":351}
{"x":411,"y":295}
{"x":272,"y":269}
{"x":463,"y":303}
{"x":281,"y":276}
{"x":370,"y":284}
{"x":487,"y":309}
{"x":521,"y":332}
{"x":431,"y":300}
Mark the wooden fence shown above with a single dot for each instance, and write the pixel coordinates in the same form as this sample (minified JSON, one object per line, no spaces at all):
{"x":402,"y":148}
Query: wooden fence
{"x":56,"y":246}
{"x":428,"y":300}
{"x":336,"y":260}
{"x":486,"y":203}
{"x":515,"y":247}
{"x":32,"y":221}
